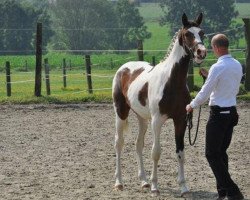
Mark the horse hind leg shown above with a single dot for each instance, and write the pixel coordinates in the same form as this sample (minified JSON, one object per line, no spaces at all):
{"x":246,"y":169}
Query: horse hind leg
{"x":143,"y":126}
{"x":180,"y":128}
{"x":121,"y":128}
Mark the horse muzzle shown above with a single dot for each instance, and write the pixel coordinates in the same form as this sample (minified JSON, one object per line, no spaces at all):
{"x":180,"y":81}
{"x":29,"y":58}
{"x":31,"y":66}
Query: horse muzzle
{"x":200,"y":53}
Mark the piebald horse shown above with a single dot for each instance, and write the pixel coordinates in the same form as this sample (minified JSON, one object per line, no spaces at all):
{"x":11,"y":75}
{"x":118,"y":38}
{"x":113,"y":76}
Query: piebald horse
{"x":157,"y":94}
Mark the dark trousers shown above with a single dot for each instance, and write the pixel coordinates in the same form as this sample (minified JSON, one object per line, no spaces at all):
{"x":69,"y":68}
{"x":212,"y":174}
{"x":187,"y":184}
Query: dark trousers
{"x":218,"y":138}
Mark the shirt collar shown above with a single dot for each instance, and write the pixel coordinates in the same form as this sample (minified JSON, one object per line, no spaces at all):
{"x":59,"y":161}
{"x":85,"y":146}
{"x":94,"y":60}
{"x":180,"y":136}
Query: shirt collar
{"x":224,"y":56}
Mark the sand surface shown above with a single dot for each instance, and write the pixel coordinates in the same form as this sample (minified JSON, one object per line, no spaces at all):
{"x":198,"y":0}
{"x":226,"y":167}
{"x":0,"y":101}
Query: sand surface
{"x":67,"y":152}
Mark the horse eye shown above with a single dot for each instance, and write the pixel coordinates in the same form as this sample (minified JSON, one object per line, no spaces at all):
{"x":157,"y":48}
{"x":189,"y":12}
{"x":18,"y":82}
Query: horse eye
{"x":187,"y":34}
{"x":202,"y":35}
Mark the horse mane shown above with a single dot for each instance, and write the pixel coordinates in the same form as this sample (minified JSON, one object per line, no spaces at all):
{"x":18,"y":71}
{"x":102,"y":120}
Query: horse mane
{"x":170,"y":47}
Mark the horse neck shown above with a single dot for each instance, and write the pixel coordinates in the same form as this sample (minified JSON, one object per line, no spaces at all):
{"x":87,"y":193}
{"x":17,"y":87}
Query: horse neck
{"x":177,"y":63}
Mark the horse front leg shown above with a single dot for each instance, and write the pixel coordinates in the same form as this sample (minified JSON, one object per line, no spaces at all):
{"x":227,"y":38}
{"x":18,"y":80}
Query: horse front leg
{"x":156,"y":124}
{"x":180,"y":127}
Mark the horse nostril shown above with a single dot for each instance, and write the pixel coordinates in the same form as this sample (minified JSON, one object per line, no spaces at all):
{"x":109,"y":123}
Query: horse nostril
{"x":199,"y":52}
{"x":205,"y":54}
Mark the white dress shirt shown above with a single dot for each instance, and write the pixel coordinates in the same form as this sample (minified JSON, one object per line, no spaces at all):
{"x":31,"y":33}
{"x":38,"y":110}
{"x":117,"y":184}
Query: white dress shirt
{"x":222,"y":84}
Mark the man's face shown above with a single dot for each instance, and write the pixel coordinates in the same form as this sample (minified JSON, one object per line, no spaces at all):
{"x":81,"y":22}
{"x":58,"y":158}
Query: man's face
{"x":215,"y":49}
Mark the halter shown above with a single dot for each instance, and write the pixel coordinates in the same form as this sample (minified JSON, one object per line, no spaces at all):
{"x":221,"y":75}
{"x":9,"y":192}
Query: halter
{"x":190,"y":49}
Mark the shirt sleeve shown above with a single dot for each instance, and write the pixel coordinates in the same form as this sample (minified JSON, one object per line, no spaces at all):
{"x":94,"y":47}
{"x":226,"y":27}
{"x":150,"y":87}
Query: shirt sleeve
{"x":207,"y":88}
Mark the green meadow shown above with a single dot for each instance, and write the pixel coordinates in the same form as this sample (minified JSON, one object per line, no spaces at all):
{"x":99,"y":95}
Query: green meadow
{"x":103,"y":68}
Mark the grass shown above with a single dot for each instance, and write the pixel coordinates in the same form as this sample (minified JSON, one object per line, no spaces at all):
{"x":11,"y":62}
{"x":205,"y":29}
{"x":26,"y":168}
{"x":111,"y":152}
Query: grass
{"x":151,"y":12}
{"x":103,"y":68}
{"x":76,"y":90}
{"x":243,"y":9}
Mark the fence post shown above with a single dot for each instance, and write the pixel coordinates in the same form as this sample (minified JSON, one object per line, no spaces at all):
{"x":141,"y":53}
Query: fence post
{"x":46,"y":67}
{"x":111,"y":63}
{"x":64,"y":73}
{"x":26,"y":65}
{"x":247,"y":36}
{"x":70,"y":65}
{"x":38,"y":73}
{"x":8,"y":81}
{"x":140,"y":50}
{"x":88,"y":73}
{"x":191,"y":76}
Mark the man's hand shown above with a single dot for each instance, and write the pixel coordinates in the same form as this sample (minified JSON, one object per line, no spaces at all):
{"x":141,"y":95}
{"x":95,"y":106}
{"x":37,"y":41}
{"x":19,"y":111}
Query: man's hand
{"x":189,"y":108}
{"x":203,"y":72}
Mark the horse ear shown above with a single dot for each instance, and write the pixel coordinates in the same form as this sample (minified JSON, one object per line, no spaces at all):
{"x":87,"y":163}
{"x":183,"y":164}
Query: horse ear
{"x":199,"y":19}
{"x":184,"y":20}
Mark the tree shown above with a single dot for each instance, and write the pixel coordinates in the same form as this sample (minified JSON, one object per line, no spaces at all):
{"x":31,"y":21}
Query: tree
{"x":97,"y":24}
{"x":131,"y":25}
{"x":18,"y":22}
{"x":83,"y":24}
{"x":218,"y":15}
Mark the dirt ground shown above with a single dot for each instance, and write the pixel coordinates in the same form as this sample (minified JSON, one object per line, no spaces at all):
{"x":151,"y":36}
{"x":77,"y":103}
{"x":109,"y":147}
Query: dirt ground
{"x":66,"y":152}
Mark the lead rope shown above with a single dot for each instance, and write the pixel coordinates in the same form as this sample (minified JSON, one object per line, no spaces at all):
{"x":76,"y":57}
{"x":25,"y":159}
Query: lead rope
{"x":189,"y":118}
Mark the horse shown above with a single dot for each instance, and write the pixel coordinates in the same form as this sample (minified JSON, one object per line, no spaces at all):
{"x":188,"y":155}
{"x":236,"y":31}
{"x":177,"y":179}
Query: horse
{"x":157,"y":94}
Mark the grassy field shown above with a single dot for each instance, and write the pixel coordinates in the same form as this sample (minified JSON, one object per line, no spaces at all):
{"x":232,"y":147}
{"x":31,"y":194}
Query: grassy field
{"x":243,"y":9}
{"x":103,"y":68}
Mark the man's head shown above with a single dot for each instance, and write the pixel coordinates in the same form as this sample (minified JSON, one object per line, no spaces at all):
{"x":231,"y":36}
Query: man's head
{"x":220,"y":44}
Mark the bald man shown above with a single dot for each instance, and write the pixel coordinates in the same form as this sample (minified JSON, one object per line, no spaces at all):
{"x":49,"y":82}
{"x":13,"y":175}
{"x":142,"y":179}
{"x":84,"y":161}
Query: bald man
{"x":221,"y":87}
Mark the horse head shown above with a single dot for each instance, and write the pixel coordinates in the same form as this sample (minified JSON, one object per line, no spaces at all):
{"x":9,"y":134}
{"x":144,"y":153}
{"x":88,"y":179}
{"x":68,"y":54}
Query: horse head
{"x":191,"y":38}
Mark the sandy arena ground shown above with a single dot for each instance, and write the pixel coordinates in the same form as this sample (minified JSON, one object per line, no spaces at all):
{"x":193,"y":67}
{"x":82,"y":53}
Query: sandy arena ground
{"x":66,"y":152}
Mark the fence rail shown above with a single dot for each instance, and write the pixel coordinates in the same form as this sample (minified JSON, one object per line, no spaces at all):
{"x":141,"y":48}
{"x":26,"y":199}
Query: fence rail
{"x":66,"y":81}
{"x":88,"y":76}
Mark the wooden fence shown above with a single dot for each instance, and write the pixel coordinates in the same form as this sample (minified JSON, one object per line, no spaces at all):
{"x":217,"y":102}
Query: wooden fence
{"x":140,"y":54}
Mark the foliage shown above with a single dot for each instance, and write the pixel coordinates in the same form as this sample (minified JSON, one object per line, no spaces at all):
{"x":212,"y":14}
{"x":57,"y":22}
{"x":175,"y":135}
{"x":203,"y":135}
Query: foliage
{"x":18,"y":21}
{"x":97,"y":24}
{"x":83,"y":24}
{"x":243,"y":1}
{"x":218,"y":15}
{"x":130,"y":24}
{"x":104,"y":65}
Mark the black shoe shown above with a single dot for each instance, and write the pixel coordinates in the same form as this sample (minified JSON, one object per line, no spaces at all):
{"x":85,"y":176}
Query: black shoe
{"x":221,"y":197}
{"x":236,"y":197}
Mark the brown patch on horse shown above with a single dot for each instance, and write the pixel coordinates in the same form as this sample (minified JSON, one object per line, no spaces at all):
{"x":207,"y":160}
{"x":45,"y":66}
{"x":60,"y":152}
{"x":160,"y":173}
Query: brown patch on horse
{"x":175,"y":93}
{"x":127,"y":78}
{"x":186,"y":37}
{"x":123,"y":80}
{"x":122,"y":108}
{"x":143,"y":94}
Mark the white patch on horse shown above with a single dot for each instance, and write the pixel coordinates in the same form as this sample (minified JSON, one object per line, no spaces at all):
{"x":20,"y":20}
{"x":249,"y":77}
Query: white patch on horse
{"x":181,"y":178}
{"x":136,"y":86}
{"x":195,"y":31}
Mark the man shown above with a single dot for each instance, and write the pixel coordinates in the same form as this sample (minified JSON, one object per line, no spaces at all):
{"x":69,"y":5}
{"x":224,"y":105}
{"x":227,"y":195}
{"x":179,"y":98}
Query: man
{"x":222,"y":86}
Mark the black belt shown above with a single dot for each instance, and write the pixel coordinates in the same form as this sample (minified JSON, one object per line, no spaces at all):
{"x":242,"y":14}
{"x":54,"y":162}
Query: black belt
{"x":218,"y":108}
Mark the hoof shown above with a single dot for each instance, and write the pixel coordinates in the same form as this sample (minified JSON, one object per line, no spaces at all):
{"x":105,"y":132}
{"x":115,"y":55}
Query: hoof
{"x":184,"y":191}
{"x":118,"y":187}
{"x":186,"y":194}
{"x":155,"y":193}
{"x":145,"y":186}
